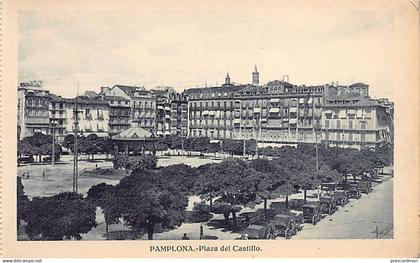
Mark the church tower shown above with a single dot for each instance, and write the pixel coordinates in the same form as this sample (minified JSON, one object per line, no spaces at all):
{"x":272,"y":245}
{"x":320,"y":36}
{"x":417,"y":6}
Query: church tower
{"x":255,"y":76}
{"x":227,"y":79}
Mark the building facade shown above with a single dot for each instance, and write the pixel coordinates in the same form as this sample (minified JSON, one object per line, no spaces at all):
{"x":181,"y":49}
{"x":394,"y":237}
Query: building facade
{"x":179,"y":114}
{"x":32,"y":109}
{"x":278,"y":112}
{"x":142,"y":107}
{"x":211,"y":111}
{"x":93,"y":116}
{"x":355,"y":122}
{"x":282,"y":113}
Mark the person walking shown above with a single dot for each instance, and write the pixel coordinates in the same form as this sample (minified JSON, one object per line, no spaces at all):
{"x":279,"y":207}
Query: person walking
{"x":185,"y":237}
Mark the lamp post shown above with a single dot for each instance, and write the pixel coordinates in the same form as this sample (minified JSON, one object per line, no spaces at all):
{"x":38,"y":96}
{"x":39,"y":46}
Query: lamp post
{"x":53,"y":124}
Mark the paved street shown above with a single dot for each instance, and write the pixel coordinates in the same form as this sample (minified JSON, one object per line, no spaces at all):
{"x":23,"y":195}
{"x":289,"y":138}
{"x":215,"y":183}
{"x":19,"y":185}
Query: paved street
{"x":358,"y":219}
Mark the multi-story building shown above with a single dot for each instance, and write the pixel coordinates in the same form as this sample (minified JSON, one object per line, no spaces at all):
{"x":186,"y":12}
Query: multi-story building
{"x":211,"y":110}
{"x":142,"y":106}
{"x":283,"y":113}
{"x":32,"y":109}
{"x":163,"y":114}
{"x":119,"y":114}
{"x":355,"y":122}
{"x":93,"y":116}
{"x":179,"y":114}
{"x":278,"y":112}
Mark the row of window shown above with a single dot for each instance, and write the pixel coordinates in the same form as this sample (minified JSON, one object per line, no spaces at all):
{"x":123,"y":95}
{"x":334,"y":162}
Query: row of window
{"x":345,"y":124}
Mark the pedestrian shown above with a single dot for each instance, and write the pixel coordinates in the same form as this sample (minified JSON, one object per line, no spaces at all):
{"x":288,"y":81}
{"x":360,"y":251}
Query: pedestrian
{"x":185,"y":237}
{"x":43,"y":174}
{"x":201,"y":231}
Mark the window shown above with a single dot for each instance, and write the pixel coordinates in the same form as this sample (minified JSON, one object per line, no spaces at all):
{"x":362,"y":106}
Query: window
{"x":351,"y":124}
{"x":338,"y":124}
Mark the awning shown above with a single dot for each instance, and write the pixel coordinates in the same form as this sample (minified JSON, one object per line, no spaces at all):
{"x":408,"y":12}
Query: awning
{"x":99,"y":134}
{"x":328,"y":112}
{"x":214,"y":141}
{"x":236,"y":121}
{"x":274,"y":110}
{"x":212,"y":112}
{"x":160,"y":107}
{"x":293,"y":109}
{"x":167,"y":108}
{"x":301,"y":100}
{"x":359,"y":113}
{"x":206,"y":112}
{"x":293,"y":121}
{"x":310,"y":101}
{"x":257,"y":110}
{"x":274,"y":100}
{"x":352,"y":112}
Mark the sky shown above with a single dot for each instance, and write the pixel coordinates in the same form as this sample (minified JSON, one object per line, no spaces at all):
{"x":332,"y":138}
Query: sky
{"x":184,"y":49}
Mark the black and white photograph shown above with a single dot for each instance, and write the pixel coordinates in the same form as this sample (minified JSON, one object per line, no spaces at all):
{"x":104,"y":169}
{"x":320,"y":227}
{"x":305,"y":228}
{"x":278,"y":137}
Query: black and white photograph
{"x":208,"y":125}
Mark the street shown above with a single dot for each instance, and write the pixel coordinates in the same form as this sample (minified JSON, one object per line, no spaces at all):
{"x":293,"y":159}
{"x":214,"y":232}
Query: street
{"x":359,"y":219}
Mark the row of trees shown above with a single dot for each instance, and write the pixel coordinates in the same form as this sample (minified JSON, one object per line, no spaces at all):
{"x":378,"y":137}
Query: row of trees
{"x":37,"y":145}
{"x":154,"y":196}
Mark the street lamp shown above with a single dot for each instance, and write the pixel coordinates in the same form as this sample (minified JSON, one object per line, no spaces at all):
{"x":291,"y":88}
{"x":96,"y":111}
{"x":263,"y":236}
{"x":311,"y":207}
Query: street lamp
{"x":53,"y":124}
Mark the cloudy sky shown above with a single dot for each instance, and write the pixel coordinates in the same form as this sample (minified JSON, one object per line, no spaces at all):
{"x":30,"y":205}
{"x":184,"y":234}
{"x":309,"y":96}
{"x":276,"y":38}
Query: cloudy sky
{"x":184,"y":49}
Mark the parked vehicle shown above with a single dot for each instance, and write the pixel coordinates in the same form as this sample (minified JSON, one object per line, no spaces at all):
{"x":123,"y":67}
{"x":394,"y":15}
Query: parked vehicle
{"x":328,"y":186}
{"x":26,"y":159}
{"x":341,"y":197}
{"x":328,"y":204}
{"x":283,"y":226}
{"x":47,"y":159}
{"x":365,"y":186}
{"x":311,"y":213}
{"x":258,"y":232}
{"x":353,"y":192}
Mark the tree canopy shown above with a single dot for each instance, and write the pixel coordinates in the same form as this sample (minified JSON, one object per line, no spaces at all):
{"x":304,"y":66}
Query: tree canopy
{"x":147,"y":199}
{"x":65,"y":215}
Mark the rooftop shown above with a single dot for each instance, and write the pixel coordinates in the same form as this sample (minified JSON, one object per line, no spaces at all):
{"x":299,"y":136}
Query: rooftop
{"x":133,"y":133}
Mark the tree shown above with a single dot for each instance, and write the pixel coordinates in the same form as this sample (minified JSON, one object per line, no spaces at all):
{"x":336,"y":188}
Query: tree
{"x":24,"y":148}
{"x":65,"y":215}
{"x":104,"y":196}
{"x":46,"y":149}
{"x":267,"y":177}
{"x":233,"y":146}
{"x":22,"y":201}
{"x":214,"y":148}
{"x":228,"y":180}
{"x":201,"y":144}
{"x":106,"y":145}
{"x":161,"y":147}
{"x":181,"y":175}
{"x":68,"y":141}
{"x":134,"y":162}
{"x":226,"y":209}
{"x":147,"y":199}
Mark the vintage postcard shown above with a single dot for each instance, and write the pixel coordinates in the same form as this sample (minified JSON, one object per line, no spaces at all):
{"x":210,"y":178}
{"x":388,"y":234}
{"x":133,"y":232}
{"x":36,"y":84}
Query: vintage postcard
{"x":209,"y":129}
